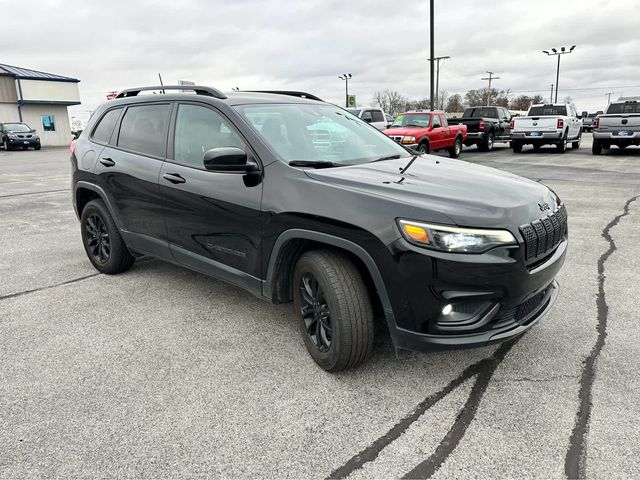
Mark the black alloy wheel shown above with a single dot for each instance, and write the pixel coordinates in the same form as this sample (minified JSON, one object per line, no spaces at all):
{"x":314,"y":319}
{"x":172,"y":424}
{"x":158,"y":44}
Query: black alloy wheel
{"x":315,"y":312}
{"x":98,"y":241}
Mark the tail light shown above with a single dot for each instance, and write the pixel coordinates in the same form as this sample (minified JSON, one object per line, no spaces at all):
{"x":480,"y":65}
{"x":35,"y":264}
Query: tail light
{"x":481,"y":126}
{"x":596,"y":122}
{"x":560,"y":123}
{"x":512,"y":125}
{"x":72,"y":148}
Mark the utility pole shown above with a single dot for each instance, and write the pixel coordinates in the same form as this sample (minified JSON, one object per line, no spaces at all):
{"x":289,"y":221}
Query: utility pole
{"x":609,"y":97}
{"x":551,"y":94}
{"x":431,"y":51}
{"x":437,"y":59}
{"x":346,"y":77}
{"x":490,"y":78}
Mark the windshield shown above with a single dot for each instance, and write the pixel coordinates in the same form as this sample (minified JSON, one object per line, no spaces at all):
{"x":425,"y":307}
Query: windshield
{"x":631,"y":107}
{"x":412,"y":120}
{"x":319,"y":133}
{"x":16,"y":127}
{"x":547,"y":110}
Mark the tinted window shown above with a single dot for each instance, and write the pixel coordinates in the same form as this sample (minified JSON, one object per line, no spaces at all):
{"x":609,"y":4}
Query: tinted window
{"x":376,"y":116}
{"x":487,"y":112}
{"x":143,"y":129}
{"x":547,"y":110}
{"x":366,"y":115}
{"x":199,"y":129}
{"x":105,"y":127}
{"x":631,"y":107}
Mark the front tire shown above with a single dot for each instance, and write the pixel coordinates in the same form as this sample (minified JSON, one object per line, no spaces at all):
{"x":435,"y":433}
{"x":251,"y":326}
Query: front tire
{"x":333,"y":310}
{"x":5,"y":145}
{"x":102,"y":242}
{"x":37,"y":147}
{"x":423,"y":148}
{"x":454,"y":152}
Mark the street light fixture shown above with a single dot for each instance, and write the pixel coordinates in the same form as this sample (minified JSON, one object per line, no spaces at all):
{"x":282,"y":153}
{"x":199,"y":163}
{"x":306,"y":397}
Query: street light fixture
{"x":346,"y":77}
{"x":563,"y":51}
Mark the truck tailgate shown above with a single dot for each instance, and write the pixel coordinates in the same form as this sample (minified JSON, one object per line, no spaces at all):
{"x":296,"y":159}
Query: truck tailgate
{"x":534,"y":124}
{"x":623,"y":121}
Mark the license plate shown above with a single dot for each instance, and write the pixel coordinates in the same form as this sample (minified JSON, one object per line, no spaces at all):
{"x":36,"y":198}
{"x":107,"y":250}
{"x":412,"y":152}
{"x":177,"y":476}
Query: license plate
{"x":535,"y":134}
{"x":624,"y":133}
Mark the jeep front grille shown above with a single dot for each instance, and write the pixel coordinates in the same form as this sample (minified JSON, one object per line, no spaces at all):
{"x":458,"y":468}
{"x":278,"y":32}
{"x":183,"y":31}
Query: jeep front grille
{"x":542,"y":236}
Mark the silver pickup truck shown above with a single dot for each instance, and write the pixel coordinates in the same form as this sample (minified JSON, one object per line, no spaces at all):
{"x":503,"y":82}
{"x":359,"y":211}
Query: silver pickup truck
{"x":619,"y":126}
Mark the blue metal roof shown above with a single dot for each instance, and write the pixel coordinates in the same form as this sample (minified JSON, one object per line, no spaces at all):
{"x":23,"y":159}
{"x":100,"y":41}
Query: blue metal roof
{"x":26,"y":73}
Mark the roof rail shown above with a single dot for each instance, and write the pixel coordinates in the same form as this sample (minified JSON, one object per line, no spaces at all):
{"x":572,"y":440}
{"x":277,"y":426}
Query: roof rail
{"x":291,"y":93}
{"x":207,"y":91}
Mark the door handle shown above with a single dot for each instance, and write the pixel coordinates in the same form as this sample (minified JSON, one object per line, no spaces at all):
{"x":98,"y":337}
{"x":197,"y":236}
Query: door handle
{"x":173,"y":178}
{"x":107,"y":162}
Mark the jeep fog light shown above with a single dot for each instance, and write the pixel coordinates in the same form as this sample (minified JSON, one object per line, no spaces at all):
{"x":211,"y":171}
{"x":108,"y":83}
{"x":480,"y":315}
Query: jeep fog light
{"x":447,"y":309}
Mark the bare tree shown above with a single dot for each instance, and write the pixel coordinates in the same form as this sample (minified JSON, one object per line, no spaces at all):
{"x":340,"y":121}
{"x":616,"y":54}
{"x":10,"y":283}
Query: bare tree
{"x":390,"y":101}
{"x":442,"y":100}
{"x":454,"y":104}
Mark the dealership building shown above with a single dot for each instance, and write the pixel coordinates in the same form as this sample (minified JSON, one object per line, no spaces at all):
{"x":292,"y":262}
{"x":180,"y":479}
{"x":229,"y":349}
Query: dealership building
{"x":40,"y":100}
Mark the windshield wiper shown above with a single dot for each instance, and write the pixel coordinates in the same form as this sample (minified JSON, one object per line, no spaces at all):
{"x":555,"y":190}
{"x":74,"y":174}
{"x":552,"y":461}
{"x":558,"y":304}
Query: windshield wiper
{"x":312,"y":163}
{"x":406,"y":167}
{"x":388,"y":157}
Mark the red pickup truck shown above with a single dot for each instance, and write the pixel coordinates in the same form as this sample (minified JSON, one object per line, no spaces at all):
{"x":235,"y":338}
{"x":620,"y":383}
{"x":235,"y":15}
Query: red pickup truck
{"x":427,"y":131}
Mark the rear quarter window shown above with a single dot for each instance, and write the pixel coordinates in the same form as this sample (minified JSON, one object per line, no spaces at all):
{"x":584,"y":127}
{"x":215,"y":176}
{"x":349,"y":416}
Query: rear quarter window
{"x":104,"y":128}
{"x":144,"y":129}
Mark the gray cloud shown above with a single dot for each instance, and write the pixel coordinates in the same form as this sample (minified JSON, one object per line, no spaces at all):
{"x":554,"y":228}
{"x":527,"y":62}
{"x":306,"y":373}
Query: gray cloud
{"x":305,"y":45}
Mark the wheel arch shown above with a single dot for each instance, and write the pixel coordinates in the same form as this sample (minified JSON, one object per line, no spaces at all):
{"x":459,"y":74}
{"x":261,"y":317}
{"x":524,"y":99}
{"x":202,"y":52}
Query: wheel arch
{"x":291,"y":244}
{"x":84,"y":192}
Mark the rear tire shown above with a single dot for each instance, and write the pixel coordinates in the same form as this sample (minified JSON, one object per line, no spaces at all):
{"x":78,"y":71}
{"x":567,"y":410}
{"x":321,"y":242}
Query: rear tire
{"x":516,"y":146}
{"x":102,"y":242}
{"x":333,"y":310}
{"x":454,"y":152}
{"x":487,"y":144}
{"x":561,"y":146}
{"x":596,"y":148}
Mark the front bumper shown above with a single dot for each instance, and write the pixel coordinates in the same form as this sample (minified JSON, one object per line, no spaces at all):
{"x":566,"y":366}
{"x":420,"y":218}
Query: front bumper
{"x":23,"y":142}
{"x":501,"y":294}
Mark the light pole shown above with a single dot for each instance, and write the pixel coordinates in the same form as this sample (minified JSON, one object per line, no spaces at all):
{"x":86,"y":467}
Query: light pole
{"x":437,"y":59}
{"x":490,"y":78}
{"x":431,"y":53}
{"x":563,"y":51}
{"x":346,"y":77}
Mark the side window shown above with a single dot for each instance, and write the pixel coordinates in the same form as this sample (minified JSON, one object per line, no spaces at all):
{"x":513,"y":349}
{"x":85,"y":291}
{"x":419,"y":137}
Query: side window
{"x":507,"y":114}
{"x":199,"y":129}
{"x":445,"y":122}
{"x":377,"y":116}
{"x":143,"y":129}
{"x":366,"y":115}
{"x":435,"y":122}
{"x":107,"y":123}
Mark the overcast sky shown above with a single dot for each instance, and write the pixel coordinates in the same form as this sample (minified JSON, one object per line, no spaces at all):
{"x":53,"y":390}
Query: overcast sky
{"x":305,"y":44}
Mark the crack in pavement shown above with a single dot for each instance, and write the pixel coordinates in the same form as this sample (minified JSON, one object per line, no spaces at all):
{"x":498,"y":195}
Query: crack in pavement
{"x":575,"y":460}
{"x":39,"y":289}
{"x":484,"y":370}
{"x":35,"y":193}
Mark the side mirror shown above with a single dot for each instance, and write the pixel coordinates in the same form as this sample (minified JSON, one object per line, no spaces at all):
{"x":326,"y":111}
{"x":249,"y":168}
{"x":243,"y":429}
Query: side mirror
{"x":228,"y":159}
{"x":585,"y":114}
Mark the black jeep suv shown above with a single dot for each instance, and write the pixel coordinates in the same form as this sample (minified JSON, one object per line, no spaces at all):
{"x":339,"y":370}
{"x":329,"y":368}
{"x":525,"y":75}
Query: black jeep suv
{"x":295,"y":199}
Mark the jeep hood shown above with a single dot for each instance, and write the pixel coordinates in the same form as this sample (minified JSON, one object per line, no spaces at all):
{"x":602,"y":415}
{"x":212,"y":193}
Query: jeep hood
{"x":470,"y":195}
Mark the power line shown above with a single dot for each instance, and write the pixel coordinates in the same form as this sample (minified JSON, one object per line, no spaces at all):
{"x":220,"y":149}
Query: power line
{"x":490,"y":78}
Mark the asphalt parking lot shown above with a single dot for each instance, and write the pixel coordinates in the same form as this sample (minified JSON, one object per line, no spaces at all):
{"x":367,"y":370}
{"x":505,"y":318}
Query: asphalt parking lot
{"x":161,"y":372}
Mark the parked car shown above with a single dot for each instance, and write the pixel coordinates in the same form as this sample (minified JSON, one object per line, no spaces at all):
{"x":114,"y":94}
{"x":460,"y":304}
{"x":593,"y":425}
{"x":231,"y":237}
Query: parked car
{"x":485,"y":126}
{"x":620,"y":126}
{"x":587,"y":120}
{"x":296,"y":200}
{"x":556,"y":124}
{"x":18,"y":135}
{"x":390,"y":119}
{"x":427,"y":131}
{"x":372,"y":115}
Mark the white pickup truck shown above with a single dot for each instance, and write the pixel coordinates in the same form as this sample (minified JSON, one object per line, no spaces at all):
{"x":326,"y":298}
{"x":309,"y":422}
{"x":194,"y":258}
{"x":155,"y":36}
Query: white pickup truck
{"x":620,"y":126}
{"x":557,"y":124}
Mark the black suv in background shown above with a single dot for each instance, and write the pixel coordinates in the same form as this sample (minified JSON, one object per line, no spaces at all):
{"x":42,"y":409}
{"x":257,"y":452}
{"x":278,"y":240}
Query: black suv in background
{"x":18,"y":135}
{"x":297,"y":200}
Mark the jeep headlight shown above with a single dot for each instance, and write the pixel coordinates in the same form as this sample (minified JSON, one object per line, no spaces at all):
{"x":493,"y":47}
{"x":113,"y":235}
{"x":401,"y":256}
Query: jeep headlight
{"x":454,"y":239}
{"x":408,"y":140}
